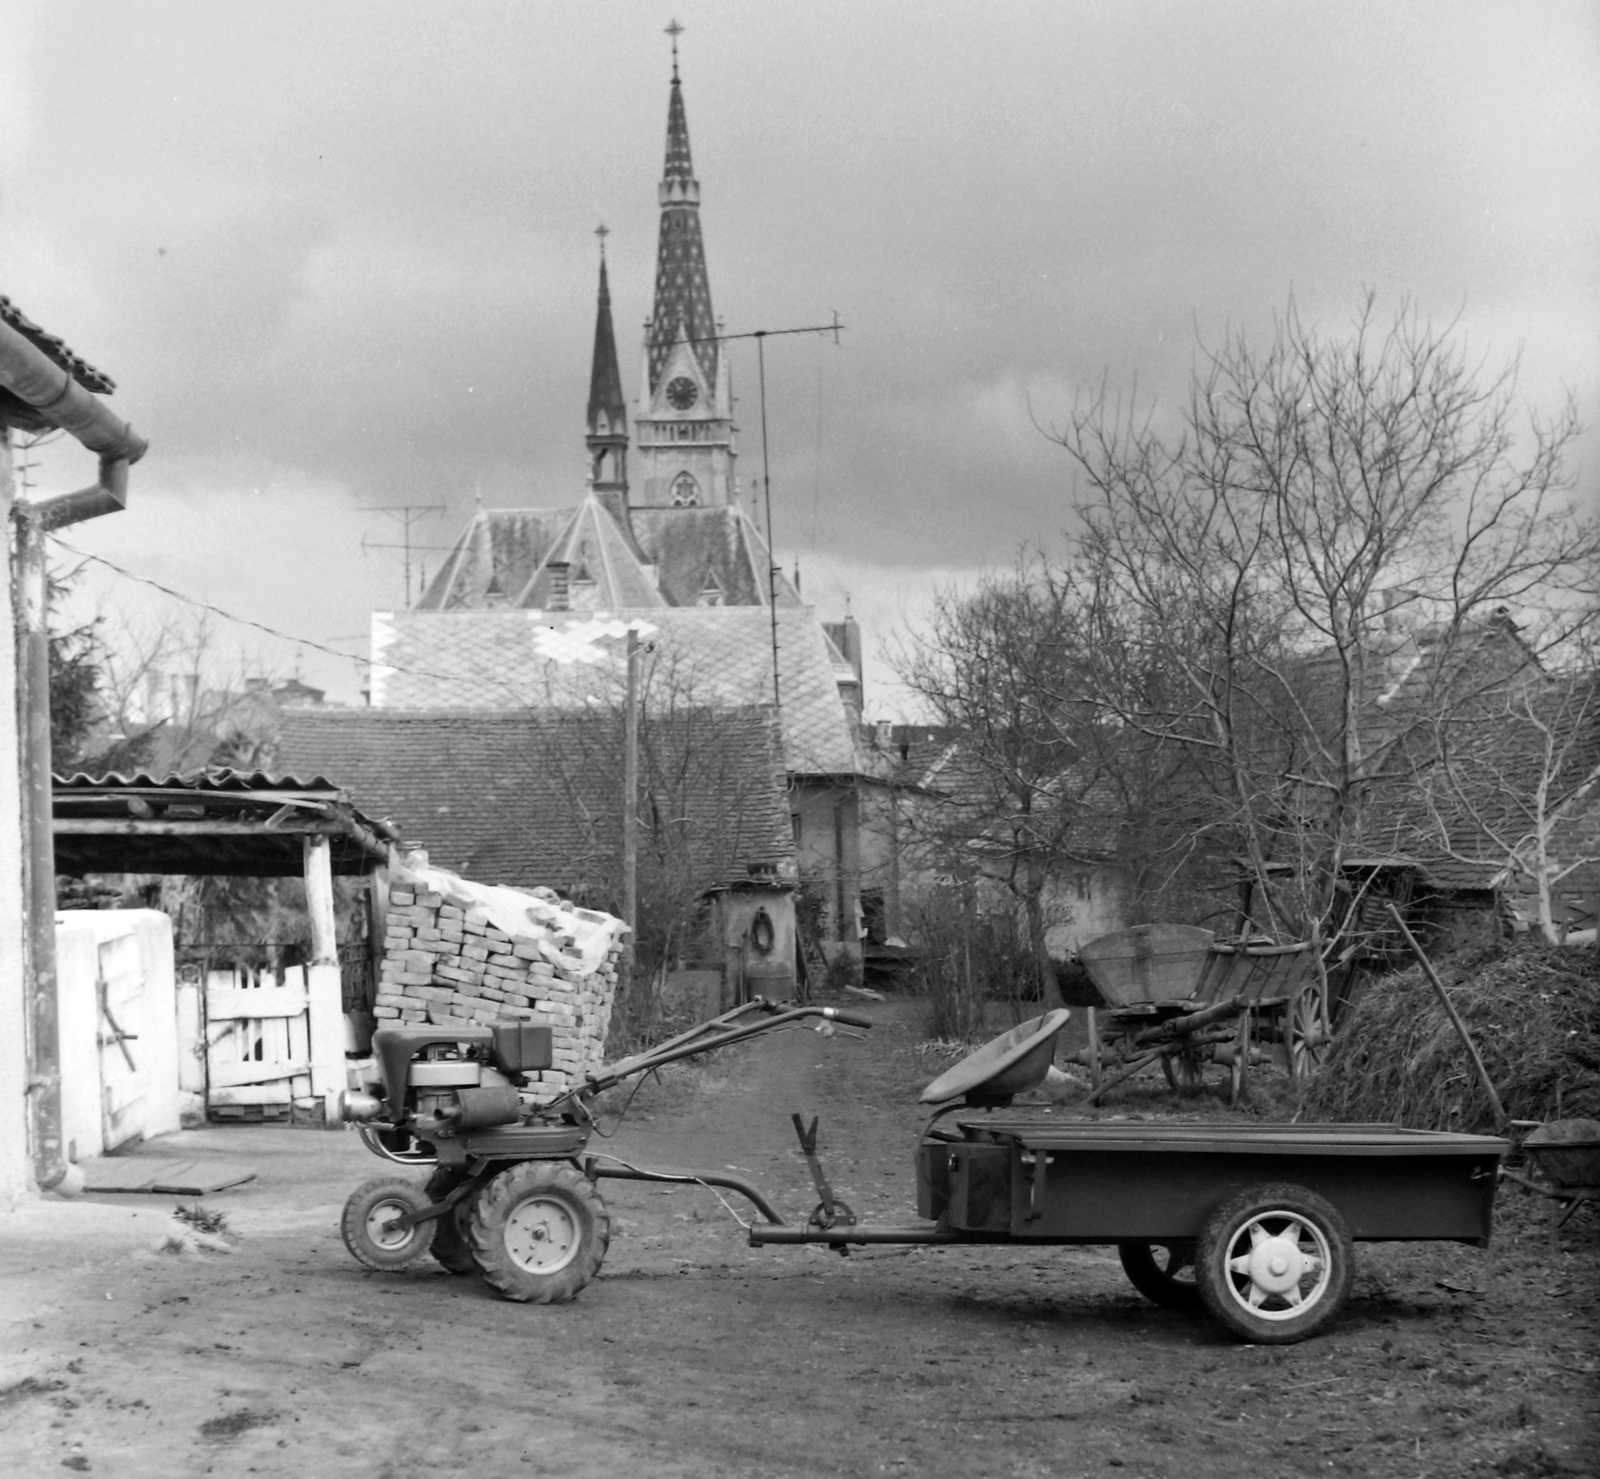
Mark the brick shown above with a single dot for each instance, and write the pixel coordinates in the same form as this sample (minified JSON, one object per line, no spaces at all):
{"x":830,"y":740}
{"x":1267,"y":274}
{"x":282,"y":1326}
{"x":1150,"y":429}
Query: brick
{"x":431,"y":993}
{"x":384,"y":1013}
{"x":428,"y":899}
{"x":453,"y":973}
{"x":389,"y":999}
{"x":415,"y":979}
{"x":474,"y":952}
{"x":401,"y":896}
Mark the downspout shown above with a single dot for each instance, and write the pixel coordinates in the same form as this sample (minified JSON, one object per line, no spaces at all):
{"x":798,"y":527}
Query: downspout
{"x":33,"y":377}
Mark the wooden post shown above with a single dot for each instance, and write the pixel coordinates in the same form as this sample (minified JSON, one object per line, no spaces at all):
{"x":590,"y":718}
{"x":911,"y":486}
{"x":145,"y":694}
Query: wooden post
{"x":325,"y":1007}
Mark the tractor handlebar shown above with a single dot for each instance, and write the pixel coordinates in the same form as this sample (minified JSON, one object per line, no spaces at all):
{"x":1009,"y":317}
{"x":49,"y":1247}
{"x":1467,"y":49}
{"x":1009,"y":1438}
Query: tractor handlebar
{"x":850,"y":1019}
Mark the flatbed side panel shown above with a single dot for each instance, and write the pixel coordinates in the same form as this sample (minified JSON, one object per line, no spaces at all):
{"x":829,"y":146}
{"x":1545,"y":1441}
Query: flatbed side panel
{"x":1103,"y":1196}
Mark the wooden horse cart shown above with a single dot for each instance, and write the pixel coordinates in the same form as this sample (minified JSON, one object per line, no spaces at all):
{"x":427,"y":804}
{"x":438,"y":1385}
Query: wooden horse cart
{"x":1176,"y":995}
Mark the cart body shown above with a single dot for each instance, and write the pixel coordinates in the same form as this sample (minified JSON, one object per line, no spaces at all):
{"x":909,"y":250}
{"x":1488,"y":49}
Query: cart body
{"x":1018,"y":1176}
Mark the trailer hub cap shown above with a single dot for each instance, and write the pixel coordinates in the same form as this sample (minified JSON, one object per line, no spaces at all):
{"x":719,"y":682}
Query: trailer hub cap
{"x":1278,"y":1265}
{"x":542,"y":1235}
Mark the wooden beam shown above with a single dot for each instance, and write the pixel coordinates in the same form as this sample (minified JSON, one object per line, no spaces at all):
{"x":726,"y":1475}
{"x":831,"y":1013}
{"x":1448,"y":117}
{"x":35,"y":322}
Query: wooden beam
{"x":108,"y":827}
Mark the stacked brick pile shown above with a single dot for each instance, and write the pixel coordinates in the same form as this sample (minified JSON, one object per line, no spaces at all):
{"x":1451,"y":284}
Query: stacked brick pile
{"x":457,"y":952}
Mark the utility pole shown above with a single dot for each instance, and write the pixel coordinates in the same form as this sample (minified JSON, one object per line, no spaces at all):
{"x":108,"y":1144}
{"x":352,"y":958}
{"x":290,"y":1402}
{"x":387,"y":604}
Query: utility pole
{"x":630,"y":807}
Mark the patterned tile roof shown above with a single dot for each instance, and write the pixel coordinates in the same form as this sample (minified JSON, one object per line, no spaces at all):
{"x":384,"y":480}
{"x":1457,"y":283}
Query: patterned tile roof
{"x":527,"y":798}
{"x":717,"y":657}
{"x":697,"y":549}
{"x":682,"y":308}
{"x":603,"y":571}
{"x":495,"y":558}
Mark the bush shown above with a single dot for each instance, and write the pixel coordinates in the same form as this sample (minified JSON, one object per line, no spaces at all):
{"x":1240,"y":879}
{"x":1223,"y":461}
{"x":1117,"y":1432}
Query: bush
{"x":967,"y":960}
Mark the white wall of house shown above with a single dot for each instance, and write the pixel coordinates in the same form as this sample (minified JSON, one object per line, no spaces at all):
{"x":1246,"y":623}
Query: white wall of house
{"x":115,"y":966}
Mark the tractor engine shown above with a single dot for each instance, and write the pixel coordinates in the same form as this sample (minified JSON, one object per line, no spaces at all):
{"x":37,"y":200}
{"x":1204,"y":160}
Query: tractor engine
{"x":438,"y":1082}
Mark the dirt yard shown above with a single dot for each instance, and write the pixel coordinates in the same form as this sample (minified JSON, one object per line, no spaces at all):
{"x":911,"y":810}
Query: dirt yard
{"x":694,"y":1354}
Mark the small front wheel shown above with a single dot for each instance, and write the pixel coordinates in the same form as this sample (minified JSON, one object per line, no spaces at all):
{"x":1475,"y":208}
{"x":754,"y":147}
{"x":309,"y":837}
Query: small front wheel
{"x":369,"y":1218}
{"x":1275,"y":1264}
{"x":539,"y":1232}
{"x":1162,"y":1272}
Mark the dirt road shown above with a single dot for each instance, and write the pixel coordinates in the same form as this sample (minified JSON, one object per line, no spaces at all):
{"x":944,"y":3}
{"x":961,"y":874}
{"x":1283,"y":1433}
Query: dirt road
{"x":694,"y":1354}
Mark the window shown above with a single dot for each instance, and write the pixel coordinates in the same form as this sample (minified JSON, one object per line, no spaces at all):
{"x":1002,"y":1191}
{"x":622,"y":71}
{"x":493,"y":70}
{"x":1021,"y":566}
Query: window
{"x":685,"y":491}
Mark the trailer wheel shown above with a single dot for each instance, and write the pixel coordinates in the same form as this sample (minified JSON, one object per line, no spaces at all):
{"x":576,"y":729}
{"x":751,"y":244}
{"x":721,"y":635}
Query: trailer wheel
{"x":539,"y":1232}
{"x":449,"y":1247}
{"x":1163,"y":1272}
{"x":367,"y":1223}
{"x":1185,"y":1070}
{"x":1274,"y":1264}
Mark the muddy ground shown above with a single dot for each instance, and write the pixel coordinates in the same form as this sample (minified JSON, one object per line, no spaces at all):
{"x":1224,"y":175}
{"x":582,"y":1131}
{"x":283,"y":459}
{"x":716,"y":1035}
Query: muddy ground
{"x":694,"y":1354}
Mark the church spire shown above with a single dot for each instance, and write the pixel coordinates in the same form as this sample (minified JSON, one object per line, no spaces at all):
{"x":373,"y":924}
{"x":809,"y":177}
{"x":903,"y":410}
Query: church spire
{"x":682,"y":307}
{"x":607,"y":436}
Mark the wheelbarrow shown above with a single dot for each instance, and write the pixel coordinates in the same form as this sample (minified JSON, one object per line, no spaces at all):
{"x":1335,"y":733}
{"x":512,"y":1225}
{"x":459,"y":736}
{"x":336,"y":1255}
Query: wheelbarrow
{"x":1565,"y":1155}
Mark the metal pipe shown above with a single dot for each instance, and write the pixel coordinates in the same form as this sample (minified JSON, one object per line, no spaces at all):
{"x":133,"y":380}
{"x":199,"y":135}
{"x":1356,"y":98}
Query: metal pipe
{"x":36,"y":379}
{"x":840,"y":1235}
{"x":616,"y":1170}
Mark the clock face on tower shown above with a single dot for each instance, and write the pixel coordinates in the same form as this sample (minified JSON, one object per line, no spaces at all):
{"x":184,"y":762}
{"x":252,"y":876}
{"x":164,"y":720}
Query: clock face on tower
{"x":682,"y":393}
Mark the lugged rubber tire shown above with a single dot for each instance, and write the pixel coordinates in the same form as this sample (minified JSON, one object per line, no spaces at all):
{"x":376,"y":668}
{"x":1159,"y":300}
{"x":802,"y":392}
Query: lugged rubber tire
{"x":1162,"y":1283}
{"x":539,"y":1232}
{"x":369,"y":1206}
{"x":450,"y":1247}
{"x":1226,"y":1264}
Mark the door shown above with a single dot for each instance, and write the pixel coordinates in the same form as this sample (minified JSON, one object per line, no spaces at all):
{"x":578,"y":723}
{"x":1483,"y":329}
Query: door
{"x":123,"y":1008}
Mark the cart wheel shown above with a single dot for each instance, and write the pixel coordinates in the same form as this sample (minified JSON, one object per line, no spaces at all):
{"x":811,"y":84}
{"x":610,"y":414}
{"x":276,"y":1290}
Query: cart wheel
{"x":1162,"y":1272}
{"x":1239,"y":1069}
{"x":368,"y":1214}
{"x":449,"y":1246}
{"x":843,"y":1215}
{"x":1274,"y":1264}
{"x":1184,"y":1071}
{"x":1307,"y":1042}
{"x":539,"y":1232}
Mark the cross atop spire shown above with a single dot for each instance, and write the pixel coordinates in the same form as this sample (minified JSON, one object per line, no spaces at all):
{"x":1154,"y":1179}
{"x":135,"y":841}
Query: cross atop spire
{"x":602,"y":231}
{"x":674,"y":30}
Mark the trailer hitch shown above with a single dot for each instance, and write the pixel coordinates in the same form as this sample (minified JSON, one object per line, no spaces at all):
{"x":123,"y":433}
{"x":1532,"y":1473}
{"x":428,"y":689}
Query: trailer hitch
{"x":830,"y":1211}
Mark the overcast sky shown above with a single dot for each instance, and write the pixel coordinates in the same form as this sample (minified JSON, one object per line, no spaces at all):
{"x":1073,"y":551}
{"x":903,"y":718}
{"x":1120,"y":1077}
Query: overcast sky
{"x":340,"y":255}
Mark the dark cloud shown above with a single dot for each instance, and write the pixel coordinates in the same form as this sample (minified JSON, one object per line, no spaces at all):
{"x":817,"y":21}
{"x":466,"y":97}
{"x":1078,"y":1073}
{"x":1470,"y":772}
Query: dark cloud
{"x":349,"y":245}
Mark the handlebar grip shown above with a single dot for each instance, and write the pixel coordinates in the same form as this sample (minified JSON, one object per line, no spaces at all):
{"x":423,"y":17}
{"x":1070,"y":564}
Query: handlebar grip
{"x":850,"y":1019}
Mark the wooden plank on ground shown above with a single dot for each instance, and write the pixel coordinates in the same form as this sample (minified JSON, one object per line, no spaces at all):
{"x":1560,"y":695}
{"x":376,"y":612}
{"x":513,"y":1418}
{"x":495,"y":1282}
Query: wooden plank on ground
{"x":175,"y":1178}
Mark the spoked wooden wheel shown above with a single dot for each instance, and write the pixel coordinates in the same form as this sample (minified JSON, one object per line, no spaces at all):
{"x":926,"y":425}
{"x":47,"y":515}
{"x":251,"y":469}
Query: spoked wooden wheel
{"x":1275,"y":1264}
{"x":1305,"y":1036}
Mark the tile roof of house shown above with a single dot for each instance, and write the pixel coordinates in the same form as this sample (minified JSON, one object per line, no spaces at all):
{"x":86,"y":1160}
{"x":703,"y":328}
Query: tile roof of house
{"x":56,"y":350}
{"x":535,"y":797}
{"x":1448,"y":823}
{"x":718,"y":657}
{"x":604,"y":572}
{"x":696,"y":550}
{"x":494,"y":558}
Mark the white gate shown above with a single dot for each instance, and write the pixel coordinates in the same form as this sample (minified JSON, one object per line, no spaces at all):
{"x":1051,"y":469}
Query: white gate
{"x":267,"y":1039}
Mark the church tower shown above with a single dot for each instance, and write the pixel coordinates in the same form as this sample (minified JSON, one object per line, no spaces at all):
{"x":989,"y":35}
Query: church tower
{"x":685,"y":421}
{"x":607,"y":434}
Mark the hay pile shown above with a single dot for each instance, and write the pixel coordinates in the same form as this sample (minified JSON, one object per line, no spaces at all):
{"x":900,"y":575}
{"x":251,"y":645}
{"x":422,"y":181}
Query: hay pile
{"x":1533,"y":1011}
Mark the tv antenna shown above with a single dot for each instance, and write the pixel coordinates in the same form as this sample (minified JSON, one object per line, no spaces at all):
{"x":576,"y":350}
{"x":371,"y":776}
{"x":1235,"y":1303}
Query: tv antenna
{"x":761,"y":336}
{"x":407,"y":515}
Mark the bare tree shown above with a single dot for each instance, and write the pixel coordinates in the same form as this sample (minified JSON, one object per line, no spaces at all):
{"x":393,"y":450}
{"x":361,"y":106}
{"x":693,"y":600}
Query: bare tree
{"x":1295,"y":585}
{"x":1515,"y":780}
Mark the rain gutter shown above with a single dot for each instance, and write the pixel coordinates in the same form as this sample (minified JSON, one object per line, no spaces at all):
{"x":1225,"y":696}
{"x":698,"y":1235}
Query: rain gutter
{"x":34,"y":378}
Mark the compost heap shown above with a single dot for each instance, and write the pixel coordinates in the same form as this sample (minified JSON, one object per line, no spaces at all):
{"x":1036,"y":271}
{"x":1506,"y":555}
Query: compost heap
{"x":1533,"y":1011}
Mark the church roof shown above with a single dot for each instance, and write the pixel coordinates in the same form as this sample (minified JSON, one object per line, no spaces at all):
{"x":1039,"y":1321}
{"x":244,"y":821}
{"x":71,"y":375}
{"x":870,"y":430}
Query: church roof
{"x":696,"y":548}
{"x":682,"y":304}
{"x":719,"y":657}
{"x":495,"y":558}
{"x":599,"y":557}
{"x":608,"y":411}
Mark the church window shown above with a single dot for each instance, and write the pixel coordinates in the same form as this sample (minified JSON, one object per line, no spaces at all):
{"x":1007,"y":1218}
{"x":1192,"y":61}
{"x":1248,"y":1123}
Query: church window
{"x":685,"y":491}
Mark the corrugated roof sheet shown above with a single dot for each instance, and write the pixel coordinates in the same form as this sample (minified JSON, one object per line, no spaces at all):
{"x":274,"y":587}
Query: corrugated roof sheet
{"x":535,"y":797}
{"x":719,"y":657}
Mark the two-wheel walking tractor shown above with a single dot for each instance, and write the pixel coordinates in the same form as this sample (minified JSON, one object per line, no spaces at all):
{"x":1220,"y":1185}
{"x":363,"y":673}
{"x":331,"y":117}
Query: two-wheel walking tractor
{"x":1253,"y":1222}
